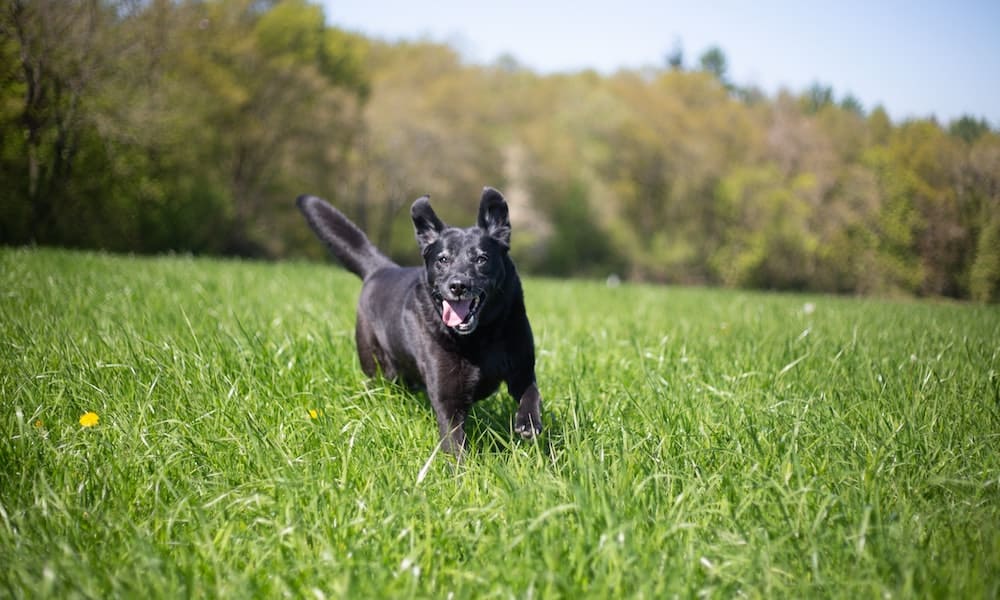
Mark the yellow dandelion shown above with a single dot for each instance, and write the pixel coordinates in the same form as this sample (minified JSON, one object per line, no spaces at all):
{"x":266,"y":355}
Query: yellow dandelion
{"x":89,"y":419}
{"x":313,"y":413}
{"x":39,"y":424}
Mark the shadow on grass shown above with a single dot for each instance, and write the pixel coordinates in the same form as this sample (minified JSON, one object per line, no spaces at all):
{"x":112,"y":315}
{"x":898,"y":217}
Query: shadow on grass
{"x":489,"y":426}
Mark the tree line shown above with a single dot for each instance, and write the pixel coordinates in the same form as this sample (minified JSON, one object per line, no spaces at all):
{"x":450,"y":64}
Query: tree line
{"x":156,"y":126}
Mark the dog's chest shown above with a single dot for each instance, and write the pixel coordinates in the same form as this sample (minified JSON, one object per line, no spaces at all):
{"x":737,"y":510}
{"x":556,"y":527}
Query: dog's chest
{"x":482,"y":370}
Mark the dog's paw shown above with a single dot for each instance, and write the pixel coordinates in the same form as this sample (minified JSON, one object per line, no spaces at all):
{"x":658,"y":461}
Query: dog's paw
{"x":528,"y":425}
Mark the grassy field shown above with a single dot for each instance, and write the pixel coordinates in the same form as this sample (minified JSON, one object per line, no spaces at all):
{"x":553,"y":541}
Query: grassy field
{"x":698,"y":443}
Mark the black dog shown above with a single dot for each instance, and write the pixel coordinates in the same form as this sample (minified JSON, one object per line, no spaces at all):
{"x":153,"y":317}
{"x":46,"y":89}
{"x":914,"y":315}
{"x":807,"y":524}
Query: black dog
{"x":456,"y":326}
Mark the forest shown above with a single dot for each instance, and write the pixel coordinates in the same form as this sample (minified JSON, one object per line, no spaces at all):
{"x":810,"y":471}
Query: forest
{"x":190,"y":127}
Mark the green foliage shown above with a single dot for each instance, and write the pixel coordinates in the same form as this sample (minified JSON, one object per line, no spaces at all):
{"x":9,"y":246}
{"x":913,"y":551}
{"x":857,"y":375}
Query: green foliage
{"x":767,"y":241}
{"x":698,"y":443}
{"x":898,"y":223}
{"x":817,"y":97}
{"x":985,"y":284}
{"x":714,"y":61}
{"x":968,"y":129}
{"x":294,"y":29}
{"x":675,"y":59}
{"x":850,"y":103}
{"x":180,"y":127}
{"x":578,"y":246}
{"x":879,"y":125}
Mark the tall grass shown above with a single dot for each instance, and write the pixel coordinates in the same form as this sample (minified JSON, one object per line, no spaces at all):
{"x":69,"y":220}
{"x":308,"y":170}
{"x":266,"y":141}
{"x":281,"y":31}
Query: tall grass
{"x":698,"y":442}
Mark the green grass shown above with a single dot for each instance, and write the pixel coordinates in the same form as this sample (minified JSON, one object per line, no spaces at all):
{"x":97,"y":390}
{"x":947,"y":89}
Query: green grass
{"x":698,"y":442}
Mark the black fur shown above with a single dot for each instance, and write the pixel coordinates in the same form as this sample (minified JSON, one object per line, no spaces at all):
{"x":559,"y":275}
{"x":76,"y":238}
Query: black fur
{"x":456,"y":326}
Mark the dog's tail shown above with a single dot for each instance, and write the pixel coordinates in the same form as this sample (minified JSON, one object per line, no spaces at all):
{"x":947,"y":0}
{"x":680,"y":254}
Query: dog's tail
{"x":348,"y":243}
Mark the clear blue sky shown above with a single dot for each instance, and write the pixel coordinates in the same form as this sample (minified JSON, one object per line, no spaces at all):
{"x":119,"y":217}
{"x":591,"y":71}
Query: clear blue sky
{"x":914,"y":58}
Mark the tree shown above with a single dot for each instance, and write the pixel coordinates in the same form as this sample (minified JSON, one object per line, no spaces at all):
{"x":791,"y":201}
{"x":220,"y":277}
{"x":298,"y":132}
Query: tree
{"x":851,"y":104}
{"x":979,"y":201}
{"x":985,"y":270}
{"x":898,"y":225}
{"x":714,"y":61}
{"x":61,"y":62}
{"x":161,"y":125}
{"x":817,"y":97}
{"x":968,"y":129}
{"x":768,"y":242}
{"x":675,"y":59}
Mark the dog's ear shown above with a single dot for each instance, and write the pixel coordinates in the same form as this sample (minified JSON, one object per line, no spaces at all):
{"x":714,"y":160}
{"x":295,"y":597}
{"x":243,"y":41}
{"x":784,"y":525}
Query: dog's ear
{"x":494,"y":218}
{"x":427,"y":224}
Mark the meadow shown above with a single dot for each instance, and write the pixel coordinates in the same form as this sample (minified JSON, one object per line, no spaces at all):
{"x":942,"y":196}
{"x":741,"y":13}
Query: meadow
{"x":190,"y":428}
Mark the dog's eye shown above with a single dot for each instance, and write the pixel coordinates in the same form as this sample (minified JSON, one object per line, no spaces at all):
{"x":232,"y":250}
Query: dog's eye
{"x":443,"y":260}
{"x":481,"y":259}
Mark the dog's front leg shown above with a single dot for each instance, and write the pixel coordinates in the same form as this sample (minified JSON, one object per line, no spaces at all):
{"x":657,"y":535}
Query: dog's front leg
{"x":528,"y":422}
{"x":451,"y":426}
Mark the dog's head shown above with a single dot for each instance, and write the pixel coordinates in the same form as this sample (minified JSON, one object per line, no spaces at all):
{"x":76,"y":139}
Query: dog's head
{"x":466,"y":268}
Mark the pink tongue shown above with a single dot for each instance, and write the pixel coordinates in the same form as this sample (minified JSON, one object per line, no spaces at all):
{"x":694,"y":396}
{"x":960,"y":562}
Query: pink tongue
{"x":454,"y":312}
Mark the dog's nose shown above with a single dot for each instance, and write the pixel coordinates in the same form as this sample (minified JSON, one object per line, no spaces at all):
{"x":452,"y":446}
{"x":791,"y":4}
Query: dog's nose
{"x":457,"y":288}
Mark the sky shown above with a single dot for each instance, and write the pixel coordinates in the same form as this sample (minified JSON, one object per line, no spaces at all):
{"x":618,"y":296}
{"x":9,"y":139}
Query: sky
{"x":916,"y":59}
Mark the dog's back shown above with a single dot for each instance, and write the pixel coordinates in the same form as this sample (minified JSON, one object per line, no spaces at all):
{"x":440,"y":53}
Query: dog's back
{"x":383,"y":334}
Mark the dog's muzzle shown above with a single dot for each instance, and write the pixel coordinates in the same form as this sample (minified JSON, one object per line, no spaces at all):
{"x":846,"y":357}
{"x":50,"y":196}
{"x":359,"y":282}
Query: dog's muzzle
{"x":462,"y":315}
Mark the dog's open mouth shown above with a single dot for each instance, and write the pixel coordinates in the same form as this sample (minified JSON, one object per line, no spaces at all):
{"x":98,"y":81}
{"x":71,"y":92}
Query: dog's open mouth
{"x":461,"y":315}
